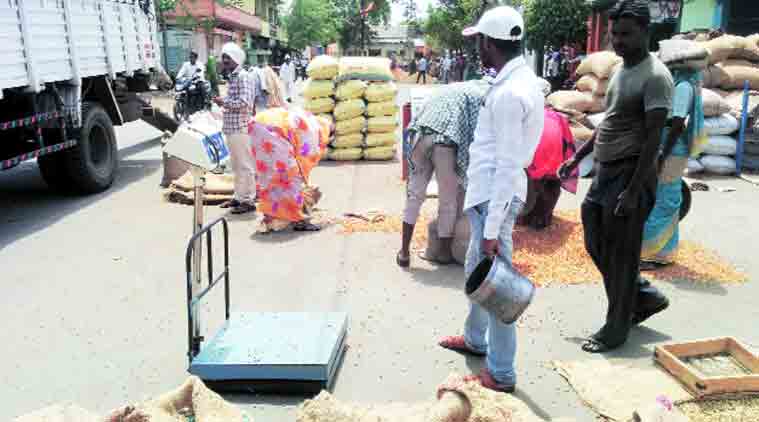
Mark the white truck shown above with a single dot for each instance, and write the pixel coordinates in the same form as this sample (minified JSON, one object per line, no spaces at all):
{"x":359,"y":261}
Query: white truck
{"x":69,"y":71}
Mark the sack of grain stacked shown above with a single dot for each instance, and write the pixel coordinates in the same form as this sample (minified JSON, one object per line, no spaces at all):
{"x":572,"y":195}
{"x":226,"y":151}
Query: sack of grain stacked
{"x":320,"y":87}
{"x":732,"y":61}
{"x":382,"y":124}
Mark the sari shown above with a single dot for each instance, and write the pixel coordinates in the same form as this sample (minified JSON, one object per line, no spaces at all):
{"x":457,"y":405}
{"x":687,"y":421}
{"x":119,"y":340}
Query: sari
{"x":286,"y":145}
{"x":661,"y":233}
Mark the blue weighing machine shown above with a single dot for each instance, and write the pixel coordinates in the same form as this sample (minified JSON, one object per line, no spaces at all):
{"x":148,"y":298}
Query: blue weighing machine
{"x":260,"y":352}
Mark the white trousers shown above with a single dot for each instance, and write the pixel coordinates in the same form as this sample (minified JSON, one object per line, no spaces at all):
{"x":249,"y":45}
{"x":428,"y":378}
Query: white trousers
{"x":243,"y":167}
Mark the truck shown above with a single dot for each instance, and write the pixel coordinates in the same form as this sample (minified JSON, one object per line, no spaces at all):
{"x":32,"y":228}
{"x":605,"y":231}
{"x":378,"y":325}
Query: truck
{"x":69,"y":71}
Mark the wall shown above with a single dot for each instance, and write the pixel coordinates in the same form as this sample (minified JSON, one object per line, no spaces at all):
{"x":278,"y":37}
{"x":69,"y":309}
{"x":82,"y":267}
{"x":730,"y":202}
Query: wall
{"x":698,"y":14}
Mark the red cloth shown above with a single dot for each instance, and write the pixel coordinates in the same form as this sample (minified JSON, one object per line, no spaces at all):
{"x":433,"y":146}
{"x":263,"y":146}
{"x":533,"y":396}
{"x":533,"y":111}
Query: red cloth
{"x":556,"y":146}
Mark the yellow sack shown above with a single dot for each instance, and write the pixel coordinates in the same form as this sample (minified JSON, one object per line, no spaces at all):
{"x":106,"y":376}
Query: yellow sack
{"x":365,"y":69}
{"x":346,"y":110}
{"x":322,"y":67}
{"x":382,"y":124}
{"x":379,"y":92}
{"x":385,"y":108}
{"x":318,"y":89}
{"x":380,"y":153}
{"x":353,"y":140}
{"x":346,"y":127}
{"x":380,"y":139}
{"x":345,"y":154}
{"x":349,"y":90}
{"x":320,"y":105}
{"x":330,"y":118}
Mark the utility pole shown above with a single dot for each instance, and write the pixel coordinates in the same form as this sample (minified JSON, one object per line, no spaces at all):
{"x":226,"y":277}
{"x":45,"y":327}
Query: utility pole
{"x":363,"y":24}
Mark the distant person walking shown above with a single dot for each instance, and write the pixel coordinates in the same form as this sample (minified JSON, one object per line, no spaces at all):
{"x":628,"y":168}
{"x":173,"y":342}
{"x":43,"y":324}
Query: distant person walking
{"x":421,"y":67}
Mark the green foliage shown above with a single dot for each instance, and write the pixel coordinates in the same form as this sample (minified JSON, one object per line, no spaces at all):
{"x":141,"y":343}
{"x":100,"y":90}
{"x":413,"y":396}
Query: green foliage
{"x":555,"y":23}
{"x":446,"y":21}
{"x":310,"y":22}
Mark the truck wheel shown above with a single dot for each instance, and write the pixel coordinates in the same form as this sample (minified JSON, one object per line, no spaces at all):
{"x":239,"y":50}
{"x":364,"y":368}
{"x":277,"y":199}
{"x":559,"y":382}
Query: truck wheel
{"x":92,"y":163}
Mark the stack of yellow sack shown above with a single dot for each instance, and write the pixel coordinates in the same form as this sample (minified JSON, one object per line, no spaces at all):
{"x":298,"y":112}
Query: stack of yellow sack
{"x":350,"y":121}
{"x":382,"y":125}
{"x":320,"y":87}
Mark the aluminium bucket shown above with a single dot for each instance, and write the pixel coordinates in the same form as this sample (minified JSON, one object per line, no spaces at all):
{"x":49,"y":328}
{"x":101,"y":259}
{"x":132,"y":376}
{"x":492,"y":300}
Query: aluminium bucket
{"x":499,"y":289}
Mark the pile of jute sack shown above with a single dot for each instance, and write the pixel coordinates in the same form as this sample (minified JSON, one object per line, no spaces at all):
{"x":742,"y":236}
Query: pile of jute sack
{"x":359,"y":96}
{"x":457,"y":399}
{"x":727,"y":63}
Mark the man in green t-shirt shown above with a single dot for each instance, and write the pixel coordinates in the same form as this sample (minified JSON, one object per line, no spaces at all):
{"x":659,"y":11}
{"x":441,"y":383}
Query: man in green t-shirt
{"x":623,"y":192}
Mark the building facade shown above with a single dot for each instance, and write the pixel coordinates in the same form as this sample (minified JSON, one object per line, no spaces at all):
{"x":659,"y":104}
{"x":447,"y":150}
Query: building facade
{"x":253,"y":24}
{"x":739,"y":17}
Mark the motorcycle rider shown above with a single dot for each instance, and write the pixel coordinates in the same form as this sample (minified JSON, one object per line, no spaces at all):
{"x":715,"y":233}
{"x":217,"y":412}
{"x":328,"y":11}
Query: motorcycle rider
{"x":189,"y":68}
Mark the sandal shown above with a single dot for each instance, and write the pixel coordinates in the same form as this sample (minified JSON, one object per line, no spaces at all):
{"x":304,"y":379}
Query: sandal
{"x":303,"y":226}
{"x":423,"y":256}
{"x":243,"y":209}
{"x":458,"y":344}
{"x":593,"y":345}
{"x":403,"y":262}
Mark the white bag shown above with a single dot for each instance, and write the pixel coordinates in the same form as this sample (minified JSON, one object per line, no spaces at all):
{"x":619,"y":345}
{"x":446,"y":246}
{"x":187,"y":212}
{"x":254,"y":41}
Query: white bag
{"x":721,"y":145}
{"x":596,"y":119}
{"x":725,"y":124}
{"x":718,"y":164}
{"x":694,"y":167}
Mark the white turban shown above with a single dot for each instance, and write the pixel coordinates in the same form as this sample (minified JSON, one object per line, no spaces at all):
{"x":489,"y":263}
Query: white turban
{"x":234,"y":52}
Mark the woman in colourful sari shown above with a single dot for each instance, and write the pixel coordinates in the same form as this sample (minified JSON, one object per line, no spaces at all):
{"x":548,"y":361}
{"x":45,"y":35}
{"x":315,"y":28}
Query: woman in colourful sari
{"x":287,"y":145}
{"x":683,"y":138}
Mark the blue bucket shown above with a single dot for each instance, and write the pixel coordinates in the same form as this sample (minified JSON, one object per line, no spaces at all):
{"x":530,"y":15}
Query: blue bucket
{"x":500,"y":290}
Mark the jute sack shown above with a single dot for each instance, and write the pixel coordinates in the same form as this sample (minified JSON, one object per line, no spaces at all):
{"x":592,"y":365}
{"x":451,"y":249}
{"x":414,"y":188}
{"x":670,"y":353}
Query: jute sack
{"x":349,"y":90}
{"x":346,"y":127}
{"x":572,"y":100}
{"x":714,"y":77}
{"x":173,"y":169}
{"x":599,"y":104}
{"x":721,"y":48}
{"x":750,"y":50}
{"x":739,"y":71}
{"x":672,"y":51}
{"x":600,"y":91}
{"x":600,"y":64}
{"x":191,"y":401}
{"x":384,"y":108}
{"x":734,"y":100}
{"x":345,"y":154}
{"x":319,"y":105}
{"x":588,"y":83}
{"x":378,"y":92}
{"x":580,"y":132}
{"x":349,"y":109}
{"x":382,"y":124}
{"x":353,"y":140}
{"x":714,"y":105}
{"x":383,"y":153}
{"x":322,"y":67}
{"x":380,"y":139}
{"x":318,"y":88}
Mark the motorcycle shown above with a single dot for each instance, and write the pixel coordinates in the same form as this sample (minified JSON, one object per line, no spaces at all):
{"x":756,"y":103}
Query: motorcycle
{"x":192,"y":94}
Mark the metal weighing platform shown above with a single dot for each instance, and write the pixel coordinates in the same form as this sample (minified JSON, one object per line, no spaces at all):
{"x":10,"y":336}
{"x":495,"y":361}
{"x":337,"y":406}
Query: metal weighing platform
{"x":259,"y":352}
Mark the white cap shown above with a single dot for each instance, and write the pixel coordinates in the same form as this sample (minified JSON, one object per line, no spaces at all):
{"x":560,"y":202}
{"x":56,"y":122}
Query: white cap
{"x":498,"y":23}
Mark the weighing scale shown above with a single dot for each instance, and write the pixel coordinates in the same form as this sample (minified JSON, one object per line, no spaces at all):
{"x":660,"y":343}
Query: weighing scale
{"x":257,"y":352}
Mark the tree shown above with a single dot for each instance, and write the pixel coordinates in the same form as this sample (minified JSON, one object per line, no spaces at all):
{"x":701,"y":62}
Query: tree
{"x":446,"y":21}
{"x":310,"y":22}
{"x":555,"y":23}
{"x":350,"y":21}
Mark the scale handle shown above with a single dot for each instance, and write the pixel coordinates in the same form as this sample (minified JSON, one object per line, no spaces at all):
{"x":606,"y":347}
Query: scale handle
{"x":193,"y":340}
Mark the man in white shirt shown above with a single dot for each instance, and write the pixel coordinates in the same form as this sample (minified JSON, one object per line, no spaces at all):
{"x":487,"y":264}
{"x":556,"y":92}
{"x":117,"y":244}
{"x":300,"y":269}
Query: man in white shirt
{"x":287,"y":74}
{"x":446,"y":67}
{"x":508,"y":130}
{"x":189,"y":68}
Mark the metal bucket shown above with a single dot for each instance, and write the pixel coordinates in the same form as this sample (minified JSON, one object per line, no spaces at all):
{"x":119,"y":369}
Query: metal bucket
{"x":500,"y":290}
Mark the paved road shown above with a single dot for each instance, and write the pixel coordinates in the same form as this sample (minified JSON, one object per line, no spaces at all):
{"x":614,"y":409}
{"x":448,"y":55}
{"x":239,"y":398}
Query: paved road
{"x":93,"y":293}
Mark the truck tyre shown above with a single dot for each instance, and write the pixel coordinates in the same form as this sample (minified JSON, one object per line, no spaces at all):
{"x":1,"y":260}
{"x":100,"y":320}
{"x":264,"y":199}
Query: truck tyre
{"x":91,"y":165}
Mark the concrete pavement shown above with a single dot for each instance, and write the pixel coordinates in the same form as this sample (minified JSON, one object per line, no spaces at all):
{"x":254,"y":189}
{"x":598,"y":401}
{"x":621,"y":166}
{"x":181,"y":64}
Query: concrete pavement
{"x":93,"y":308}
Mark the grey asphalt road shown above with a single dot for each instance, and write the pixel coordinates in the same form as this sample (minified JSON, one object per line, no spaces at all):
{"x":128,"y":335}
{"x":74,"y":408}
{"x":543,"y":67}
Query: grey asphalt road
{"x":93,"y":309}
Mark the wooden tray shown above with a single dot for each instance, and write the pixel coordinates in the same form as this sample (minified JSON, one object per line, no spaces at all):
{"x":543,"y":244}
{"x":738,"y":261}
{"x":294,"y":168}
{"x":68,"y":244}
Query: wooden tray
{"x":672,"y":357}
